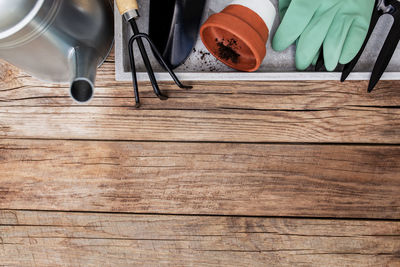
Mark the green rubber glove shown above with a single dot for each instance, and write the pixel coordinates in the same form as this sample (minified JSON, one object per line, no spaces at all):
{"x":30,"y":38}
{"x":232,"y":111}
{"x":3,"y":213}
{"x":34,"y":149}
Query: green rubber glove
{"x":283,"y":7}
{"x":340,"y":26}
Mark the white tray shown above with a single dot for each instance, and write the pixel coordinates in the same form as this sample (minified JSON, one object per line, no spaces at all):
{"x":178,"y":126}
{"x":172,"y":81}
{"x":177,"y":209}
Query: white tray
{"x":202,"y":66}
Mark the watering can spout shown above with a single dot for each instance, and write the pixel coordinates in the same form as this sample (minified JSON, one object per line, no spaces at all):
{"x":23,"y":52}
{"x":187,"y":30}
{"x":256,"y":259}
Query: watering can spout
{"x":58,"y":41}
{"x":83,"y":64}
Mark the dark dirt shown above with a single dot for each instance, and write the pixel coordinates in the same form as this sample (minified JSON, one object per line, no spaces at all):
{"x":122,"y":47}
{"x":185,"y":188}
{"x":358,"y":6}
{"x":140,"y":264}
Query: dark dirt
{"x":207,"y":62}
{"x":227,"y":50}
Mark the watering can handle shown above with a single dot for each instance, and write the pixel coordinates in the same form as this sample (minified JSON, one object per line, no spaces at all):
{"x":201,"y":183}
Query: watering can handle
{"x":125,"y":6}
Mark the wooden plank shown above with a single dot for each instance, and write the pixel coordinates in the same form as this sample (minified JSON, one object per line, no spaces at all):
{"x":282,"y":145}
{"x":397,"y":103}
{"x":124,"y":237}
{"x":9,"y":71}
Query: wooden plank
{"x":312,"y":112}
{"x":30,"y":238}
{"x":189,"y":178}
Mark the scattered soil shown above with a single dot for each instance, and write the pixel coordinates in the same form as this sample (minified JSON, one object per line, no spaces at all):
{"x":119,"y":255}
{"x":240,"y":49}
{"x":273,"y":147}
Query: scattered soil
{"x":203,"y":54}
{"x":208,"y":62}
{"x":227,"y":50}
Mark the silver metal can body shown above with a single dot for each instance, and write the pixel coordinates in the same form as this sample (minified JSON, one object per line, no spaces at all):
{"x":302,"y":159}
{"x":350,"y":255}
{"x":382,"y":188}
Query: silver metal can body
{"x":56,"y":40}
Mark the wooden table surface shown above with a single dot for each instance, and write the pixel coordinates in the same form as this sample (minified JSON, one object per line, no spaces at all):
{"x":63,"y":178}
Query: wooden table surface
{"x":227,"y":174}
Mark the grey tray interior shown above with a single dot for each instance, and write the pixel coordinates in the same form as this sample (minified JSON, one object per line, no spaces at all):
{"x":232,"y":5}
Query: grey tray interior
{"x":201,"y":65}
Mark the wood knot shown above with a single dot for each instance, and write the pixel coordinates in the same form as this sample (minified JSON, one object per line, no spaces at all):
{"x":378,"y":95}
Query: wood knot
{"x":7,"y":72}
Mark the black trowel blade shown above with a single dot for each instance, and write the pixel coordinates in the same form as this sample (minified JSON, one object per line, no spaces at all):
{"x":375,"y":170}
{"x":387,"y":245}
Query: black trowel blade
{"x":174,"y":27}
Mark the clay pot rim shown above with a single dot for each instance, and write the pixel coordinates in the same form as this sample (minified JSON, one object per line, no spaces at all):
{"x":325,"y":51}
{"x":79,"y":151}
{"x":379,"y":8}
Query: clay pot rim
{"x":258,"y":55}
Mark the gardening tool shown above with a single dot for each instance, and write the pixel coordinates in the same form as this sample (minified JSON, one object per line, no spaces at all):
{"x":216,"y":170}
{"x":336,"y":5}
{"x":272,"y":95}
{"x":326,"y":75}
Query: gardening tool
{"x":58,"y":40}
{"x":391,"y":7}
{"x":174,"y":27}
{"x":129,"y":9}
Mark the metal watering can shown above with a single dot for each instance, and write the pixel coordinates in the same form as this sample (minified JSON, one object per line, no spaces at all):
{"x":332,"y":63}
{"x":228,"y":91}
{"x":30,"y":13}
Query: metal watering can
{"x":58,"y":40}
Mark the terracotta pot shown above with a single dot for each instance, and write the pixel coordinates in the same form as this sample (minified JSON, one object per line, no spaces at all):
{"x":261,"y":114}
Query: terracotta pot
{"x":237,"y":36}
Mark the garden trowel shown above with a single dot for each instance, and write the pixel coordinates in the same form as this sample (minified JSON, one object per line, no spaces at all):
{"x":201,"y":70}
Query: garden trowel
{"x":174,"y":27}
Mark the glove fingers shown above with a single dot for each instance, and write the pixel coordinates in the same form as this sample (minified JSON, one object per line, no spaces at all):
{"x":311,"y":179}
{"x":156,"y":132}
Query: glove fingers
{"x":283,"y":6}
{"x":353,"y":43}
{"x":357,"y":33}
{"x":316,"y":57}
{"x":297,"y":17}
{"x":313,"y":37}
{"x":334,"y":42}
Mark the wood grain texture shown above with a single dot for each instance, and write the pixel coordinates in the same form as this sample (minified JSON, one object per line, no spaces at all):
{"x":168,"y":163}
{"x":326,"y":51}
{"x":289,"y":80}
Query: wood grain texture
{"x":187,"y":178}
{"x":80,"y":239}
{"x":160,"y":160}
{"x":312,"y":112}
